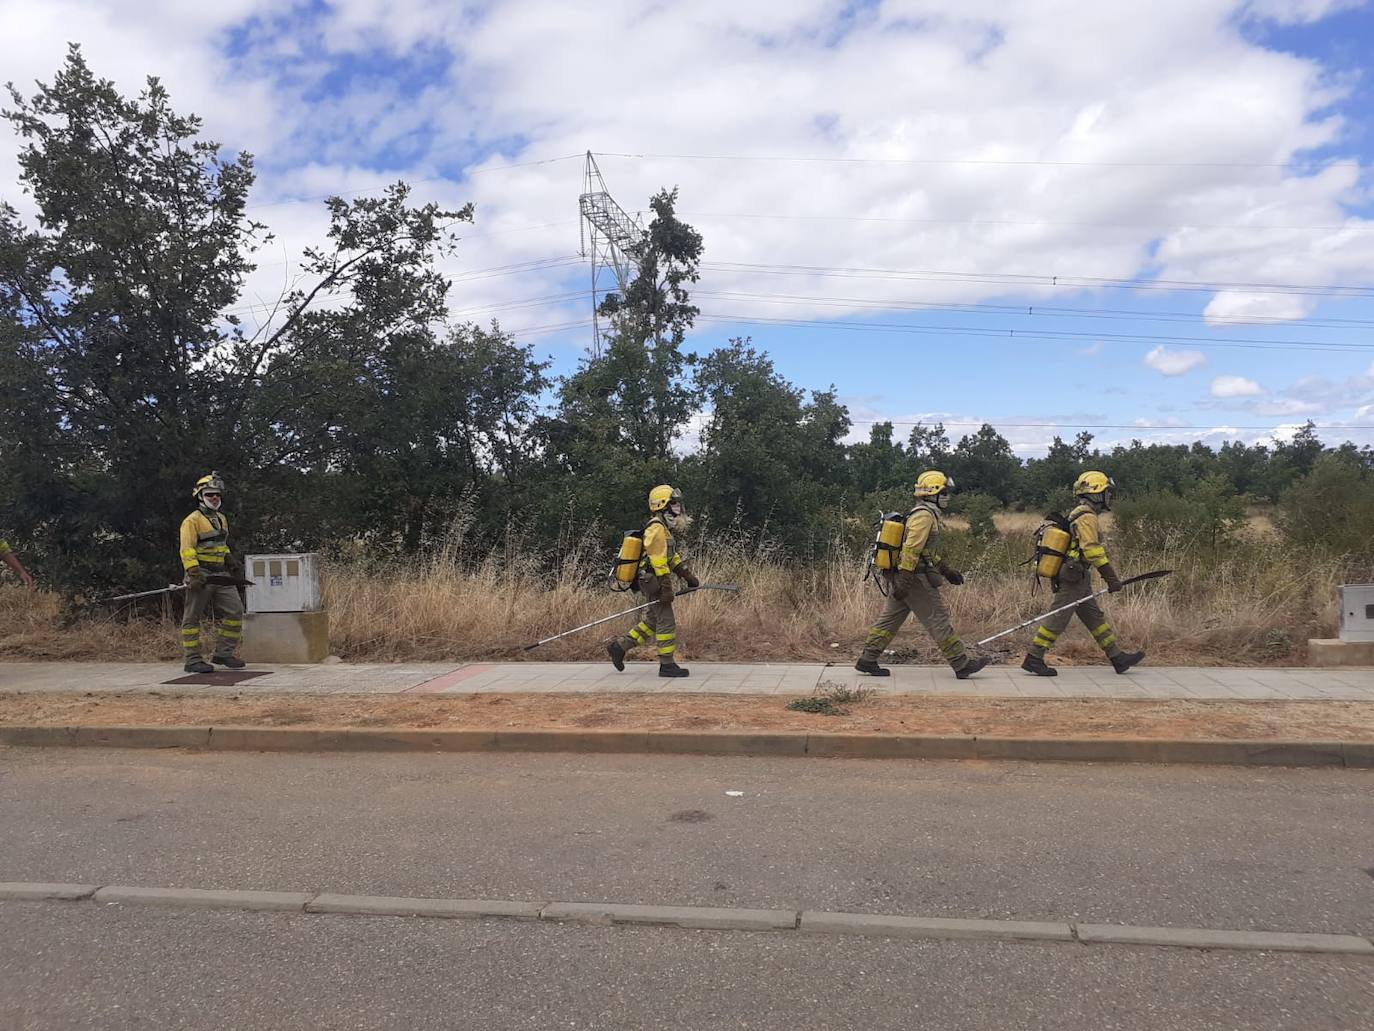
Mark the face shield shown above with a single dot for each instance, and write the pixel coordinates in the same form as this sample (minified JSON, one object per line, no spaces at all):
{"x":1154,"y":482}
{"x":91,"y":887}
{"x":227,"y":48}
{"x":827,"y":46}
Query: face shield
{"x":942,"y":499}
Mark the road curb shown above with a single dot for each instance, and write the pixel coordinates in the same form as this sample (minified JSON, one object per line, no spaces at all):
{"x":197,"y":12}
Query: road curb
{"x":1197,"y":938}
{"x":884,"y":926}
{"x":784,"y":921}
{"x":451,"y":909}
{"x":203,"y":898}
{"x":709,"y":742}
{"x":18,"y":890}
{"x":696,"y":917}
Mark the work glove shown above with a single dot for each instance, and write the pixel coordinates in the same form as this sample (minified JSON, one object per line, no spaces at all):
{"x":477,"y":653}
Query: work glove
{"x":951,"y":574}
{"x":902,"y":583}
{"x":1113,"y":581}
{"x":665,"y":588}
{"x":233,"y":565}
{"x":688,"y":577}
{"x":196,"y":578}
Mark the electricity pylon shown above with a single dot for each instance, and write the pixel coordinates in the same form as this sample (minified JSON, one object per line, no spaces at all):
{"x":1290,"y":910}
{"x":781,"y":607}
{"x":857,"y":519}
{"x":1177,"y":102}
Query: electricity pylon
{"x":611,"y":237}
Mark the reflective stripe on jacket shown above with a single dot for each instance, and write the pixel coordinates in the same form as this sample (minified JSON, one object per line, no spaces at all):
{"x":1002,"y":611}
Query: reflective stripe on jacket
{"x":918,"y":543}
{"x":659,"y":553}
{"x":204,"y":539}
{"x":1087,"y":543}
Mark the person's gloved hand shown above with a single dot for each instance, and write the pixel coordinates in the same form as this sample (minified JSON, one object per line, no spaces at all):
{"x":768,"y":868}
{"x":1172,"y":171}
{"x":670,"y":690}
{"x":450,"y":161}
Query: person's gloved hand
{"x":1113,"y":581}
{"x":689,"y":578}
{"x":195,"y":578}
{"x":902,"y":583}
{"x":665,"y":587}
{"x":233,"y":565}
{"x":951,"y":574}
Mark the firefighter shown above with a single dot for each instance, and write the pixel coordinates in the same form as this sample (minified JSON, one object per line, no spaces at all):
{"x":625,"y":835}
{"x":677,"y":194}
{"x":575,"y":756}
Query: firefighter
{"x":914,"y":587}
{"x":659,"y":564}
{"x":1086,"y":552}
{"x":12,"y":560}
{"x":205,"y":553}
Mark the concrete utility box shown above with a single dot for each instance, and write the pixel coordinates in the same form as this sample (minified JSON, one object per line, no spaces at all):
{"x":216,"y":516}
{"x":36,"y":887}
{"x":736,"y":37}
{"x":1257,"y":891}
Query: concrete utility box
{"x":283,"y":583}
{"x":1357,"y":612}
{"x":285,"y":621}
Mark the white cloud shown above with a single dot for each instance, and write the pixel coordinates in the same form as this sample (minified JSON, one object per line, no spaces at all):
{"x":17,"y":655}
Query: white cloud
{"x":1235,"y":386}
{"x":1092,"y":350}
{"x":1024,"y":140}
{"x":1173,"y":363}
{"x":1297,"y":12}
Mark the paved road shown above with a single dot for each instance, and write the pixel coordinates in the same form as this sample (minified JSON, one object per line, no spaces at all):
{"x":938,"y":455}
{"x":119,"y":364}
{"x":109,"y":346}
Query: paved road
{"x":1095,"y":681}
{"x":1243,"y":848}
{"x":111,"y":969}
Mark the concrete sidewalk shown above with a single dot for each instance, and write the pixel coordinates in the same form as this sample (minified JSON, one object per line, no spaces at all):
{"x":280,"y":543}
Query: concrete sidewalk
{"x":1229,"y":683}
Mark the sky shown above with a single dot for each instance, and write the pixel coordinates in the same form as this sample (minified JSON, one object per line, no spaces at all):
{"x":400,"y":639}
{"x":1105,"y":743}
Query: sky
{"x":1147,"y":222}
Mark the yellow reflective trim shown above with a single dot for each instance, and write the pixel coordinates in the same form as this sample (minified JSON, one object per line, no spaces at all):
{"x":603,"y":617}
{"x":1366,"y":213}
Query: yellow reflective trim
{"x":666,"y":637}
{"x":667,"y":649}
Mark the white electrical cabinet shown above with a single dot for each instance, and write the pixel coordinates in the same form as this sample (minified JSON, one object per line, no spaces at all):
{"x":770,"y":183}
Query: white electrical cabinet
{"x":284,"y":583}
{"x":1357,"y":612}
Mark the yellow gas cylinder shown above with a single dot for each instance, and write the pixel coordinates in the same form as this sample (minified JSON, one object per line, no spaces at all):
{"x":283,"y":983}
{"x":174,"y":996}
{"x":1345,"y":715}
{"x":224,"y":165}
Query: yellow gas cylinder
{"x":887,"y":549}
{"x":627,"y":562}
{"x":1051,"y":546}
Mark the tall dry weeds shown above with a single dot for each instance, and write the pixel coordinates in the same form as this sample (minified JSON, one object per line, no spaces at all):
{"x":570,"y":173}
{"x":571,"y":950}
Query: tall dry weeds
{"x":1254,"y":603}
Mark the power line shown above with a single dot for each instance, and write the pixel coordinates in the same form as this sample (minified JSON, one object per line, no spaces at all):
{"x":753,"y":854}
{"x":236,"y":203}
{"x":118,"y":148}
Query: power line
{"x":1034,"y":309}
{"x":1031,"y":334}
{"x":999,"y":426}
{"x":1030,"y":279}
{"x":994,"y":222}
{"x":823,"y":159}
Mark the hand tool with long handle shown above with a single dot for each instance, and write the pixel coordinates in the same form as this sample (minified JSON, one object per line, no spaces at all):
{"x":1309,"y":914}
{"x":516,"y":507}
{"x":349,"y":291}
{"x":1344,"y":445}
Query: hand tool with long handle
{"x":1074,"y":604}
{"x":617,"y":615}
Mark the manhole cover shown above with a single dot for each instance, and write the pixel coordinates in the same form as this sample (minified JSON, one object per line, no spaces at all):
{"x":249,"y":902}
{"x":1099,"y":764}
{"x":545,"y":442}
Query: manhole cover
{"x":226,"y":679}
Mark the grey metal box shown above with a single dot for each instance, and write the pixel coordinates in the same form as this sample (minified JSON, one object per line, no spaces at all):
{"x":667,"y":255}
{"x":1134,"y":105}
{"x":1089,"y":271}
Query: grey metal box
{"x":284,"y":583}
{"x":1357,"y":612}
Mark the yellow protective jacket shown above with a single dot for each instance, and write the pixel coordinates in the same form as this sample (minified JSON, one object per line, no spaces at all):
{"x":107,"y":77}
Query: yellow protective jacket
{"x":1087,"y":546}
{"x":204,"y":540}
{"x":660,"y":555}
{"x":918,"y":543}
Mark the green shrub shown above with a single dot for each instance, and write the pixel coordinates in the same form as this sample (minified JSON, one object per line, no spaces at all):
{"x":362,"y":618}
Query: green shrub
{"x":1331,"y":508}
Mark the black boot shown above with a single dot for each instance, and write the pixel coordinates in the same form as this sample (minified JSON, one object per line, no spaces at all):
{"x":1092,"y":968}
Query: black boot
{"x":971,"y":667}
{"x":198,"y":666}
{"x":871,"y":667}
{"x":229,"y":661}
{"x":617,"y":655}
{"x":1121,"y":663}
{"x":672,"y":669}
{"x":1038,"y":666}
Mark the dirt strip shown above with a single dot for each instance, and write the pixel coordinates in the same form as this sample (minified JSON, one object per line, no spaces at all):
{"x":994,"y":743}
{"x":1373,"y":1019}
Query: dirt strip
{"x":903,"y":714}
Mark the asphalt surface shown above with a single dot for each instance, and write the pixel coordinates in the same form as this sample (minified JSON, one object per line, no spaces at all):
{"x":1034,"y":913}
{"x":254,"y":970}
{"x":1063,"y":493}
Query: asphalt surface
{"x":1235,"y":848}
{"x":78,"y":966}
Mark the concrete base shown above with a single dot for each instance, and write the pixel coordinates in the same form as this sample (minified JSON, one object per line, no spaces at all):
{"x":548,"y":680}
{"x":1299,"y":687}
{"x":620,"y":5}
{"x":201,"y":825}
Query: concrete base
{"x":285,"y":637}
{"x":1331,"y":652}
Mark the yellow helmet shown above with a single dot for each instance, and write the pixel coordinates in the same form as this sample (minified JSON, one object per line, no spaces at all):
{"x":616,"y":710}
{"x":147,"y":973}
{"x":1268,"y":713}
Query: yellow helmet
{"x":932,"y":483}
{"x":662,"y":496}
{"x":1092,"y":482}
{"x":211,"y":484}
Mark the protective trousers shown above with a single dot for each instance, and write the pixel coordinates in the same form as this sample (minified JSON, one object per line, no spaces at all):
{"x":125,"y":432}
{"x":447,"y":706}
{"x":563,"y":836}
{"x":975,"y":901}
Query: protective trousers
{"x":225,"y":604}
{"x":925,"y":603}
{"x":1075,"y":582}
{"x":657,"y":625}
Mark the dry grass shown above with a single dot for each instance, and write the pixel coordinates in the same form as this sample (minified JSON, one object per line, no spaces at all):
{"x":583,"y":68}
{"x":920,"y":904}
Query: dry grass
{"x":1253,"y":605}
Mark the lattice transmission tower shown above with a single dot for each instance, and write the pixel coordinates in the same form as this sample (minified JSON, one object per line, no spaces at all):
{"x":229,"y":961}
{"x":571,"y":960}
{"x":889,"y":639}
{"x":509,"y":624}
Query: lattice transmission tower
{"x":612,"y":239}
